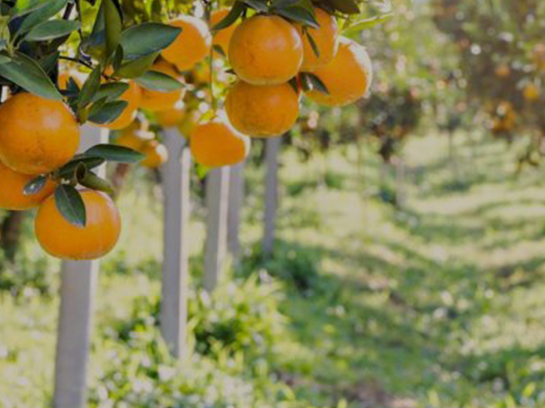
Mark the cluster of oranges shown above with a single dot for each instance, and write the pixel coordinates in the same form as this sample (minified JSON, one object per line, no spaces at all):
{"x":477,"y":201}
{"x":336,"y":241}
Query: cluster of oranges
{"x":269,"y":55}
{"x":271,"y":58}
{"x":38,"y":137}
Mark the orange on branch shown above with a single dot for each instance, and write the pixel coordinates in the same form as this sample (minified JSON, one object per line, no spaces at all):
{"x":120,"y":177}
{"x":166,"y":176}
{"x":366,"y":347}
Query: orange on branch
{"x":347,"y":78}
{"x":157,"y":101}
{"x":133,"y":96}
{"x":262,"y":111}
{"x":130,"y":139}
{"x":222,"y":38}
{"x":12,"y":196}
{"x":266,"y":50}
{"x":37,"y":135}
{"x":156,"y":154}
{"x":61,"y":239}
{"x":325,"y":38}
{"x":217,"y":143}
{"x":171,"y":117}
{"x":191,"y":46}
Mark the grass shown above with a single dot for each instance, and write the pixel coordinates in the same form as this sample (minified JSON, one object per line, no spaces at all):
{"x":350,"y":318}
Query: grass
{"x":436,"y":304}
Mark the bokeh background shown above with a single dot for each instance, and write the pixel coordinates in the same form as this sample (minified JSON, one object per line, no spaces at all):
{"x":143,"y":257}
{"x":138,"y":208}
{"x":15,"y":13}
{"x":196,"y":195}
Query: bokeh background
{"x":408,"y":268}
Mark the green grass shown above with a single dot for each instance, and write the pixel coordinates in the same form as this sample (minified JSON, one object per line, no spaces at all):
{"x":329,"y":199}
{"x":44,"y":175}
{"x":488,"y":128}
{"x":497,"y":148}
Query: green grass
{"x":436,"y":304}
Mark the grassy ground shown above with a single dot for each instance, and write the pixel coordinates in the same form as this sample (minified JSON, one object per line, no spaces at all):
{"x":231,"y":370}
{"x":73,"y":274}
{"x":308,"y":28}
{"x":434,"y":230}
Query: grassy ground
{"x":437,"y":304}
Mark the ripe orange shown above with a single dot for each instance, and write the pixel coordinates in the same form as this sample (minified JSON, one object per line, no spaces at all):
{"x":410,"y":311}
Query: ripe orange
{"x":326,"y":39}
{"x":531,"y":92}
{"x":157,"y":101}
{"x":217,"y":143}
{"x":502,"y":71}
{"x":64,"y":240}
{"x":262,"y":111}
{"x":12,"y":195}
{"x":37,"y":135}
{"x":222,"y":38}
{"x":130,"y":139}
{"x":191,"y":46}
{"x":132,"y":96}
{"x":171,"y":117}
{"x":156,"y":154}
{"x":347,"y":78}
{"x":266,"y":50}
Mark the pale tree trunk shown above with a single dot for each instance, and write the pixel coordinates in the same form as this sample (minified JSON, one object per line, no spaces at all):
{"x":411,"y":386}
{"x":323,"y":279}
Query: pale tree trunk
{"x":78,"y":284}
{"x":236,"y":203}
{"x":175,"y":271}
{"x":271,"y":194}
{"x":217,"y":203}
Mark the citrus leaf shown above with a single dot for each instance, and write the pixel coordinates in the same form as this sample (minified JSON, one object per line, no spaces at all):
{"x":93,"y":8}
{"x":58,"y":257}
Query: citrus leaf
{"x":23,"y":7}
{"x":111,"y":91}
{"x":35,"y":185}
{"x":157,"y":81}
{"x":113,"y":25}
{"x":367,"y":23}
{"x":313,"y":83}
{"x":106,"y":112}
{"x":256,"y":5}
{"x":42,"y":14}
{"x":70,"y":168}
{"x":90,"y":88}
{"x":71,"y":206}
{"x":114,"y":153}
{"x":136,"y":68}
{"x":29,"y":75}
{"x":299,"y":15}
{"x":50,"y":30}
{"x":92,"y":181}
{"x":234,"y":14}
{"x":147,"y":38}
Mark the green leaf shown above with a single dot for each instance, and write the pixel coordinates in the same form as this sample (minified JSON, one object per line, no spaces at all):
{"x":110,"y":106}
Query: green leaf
{"x":114,"y":153}
{"x":106,"y":112}
{"x":345,"y":6}
{"x":299,"y":15}
{"x":42,"y":14}
{"x":146,"y":39}
{"x":111,"y":91}
{"x":50,"y":30}
{"x":217,"y":48}
{"x":157,"y":81}
{"x":234,"y":14}
{"x":313,"y":83}
{"x":90,"y":88}
{"x":35,"y":185}
{"x":23,"y":7}
{"x":367,"y":23}
{"x":136,"y":68}
{"x":29,"y":75}
{"x":313,"y":44}
{"x":70,"y":168}
{"x":113,"y":25}
{"x":256,"y":5}
{"x":71,"y":206}
{"x":49,"y":62}
{"x":94,"y":182}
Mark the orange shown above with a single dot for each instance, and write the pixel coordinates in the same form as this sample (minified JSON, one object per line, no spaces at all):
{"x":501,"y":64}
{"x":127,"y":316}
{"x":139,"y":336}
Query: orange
{"x":191,"y":46}
{"x":347,"y":78}
{"x":189,"y":123}
{"x":326,"y":39}
{"x":217,"y":143}
{"x":131,"y":140}
{"x":157,"y":101}
{"x":132,"y":96}
{"x":262,"y":111}
{"x":266,"y":50}
{"x":502,"y":71}
{"x":12,"y":195}
{"x":222,"y":38}
{"x":156,"y":154}
{"x":531,"y":92}
{"x":37,"y":135}
{"x":171,"y":117}
{"x":61,"y":239}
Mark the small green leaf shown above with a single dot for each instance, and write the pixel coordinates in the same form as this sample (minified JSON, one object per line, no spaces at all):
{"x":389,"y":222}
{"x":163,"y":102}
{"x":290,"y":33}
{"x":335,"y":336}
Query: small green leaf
{"x":71,"y":206}
{"x":314,"y":83}
{"x":50,"y":9}
{"x":299,"y":15}
{"x":94,"y":182}
{"x":29,"y":75}
{"x":90,"y":88}
{"x":367,"y":23}
{"x":136,"y":68}
{"x":113,"y":25}
{"x":106,"y":112}
{"x":114,"y":153}
{"x":313,"y":44}
{"x":50,"y":30}
{"x":217,"y":48}
{"x":157,"y":81}
{"x":68,"y":170}
{"x":35,"y":185}
{"x":256,"y":5}
{"x":111,"y":91}
{"x":147,"y":38}
{"x":234,"y":14}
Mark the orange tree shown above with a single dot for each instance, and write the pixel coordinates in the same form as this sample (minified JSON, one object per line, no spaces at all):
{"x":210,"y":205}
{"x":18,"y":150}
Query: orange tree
{"x":42,"y":112}
{"x":502,"y":55}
